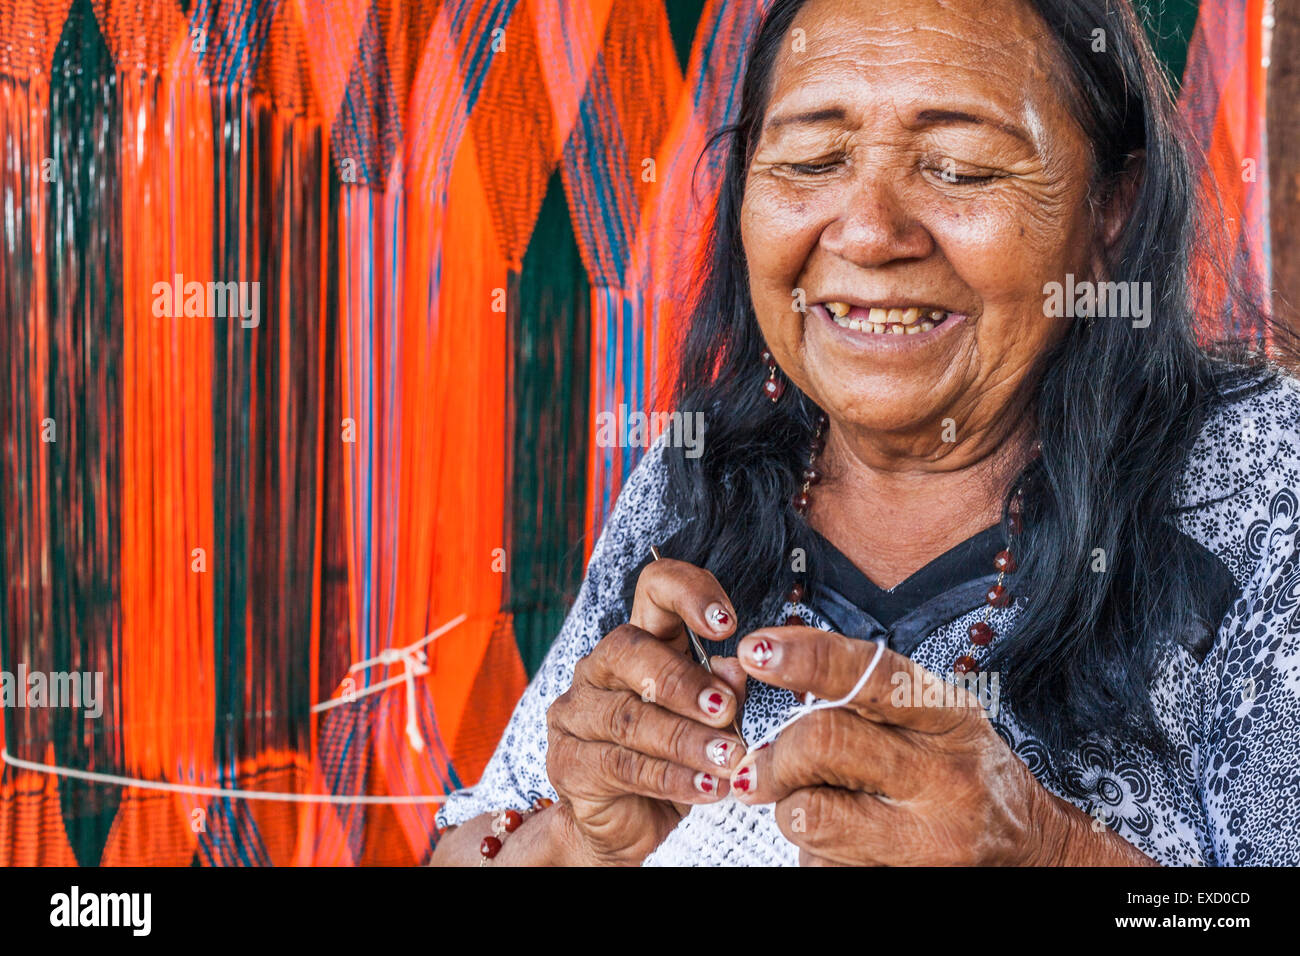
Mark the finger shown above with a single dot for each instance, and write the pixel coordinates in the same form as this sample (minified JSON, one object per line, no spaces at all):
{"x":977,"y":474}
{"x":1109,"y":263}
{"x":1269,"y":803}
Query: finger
{"x":589,"y":770}
{"x":670,"y":593}
{"x":899,"y":691}
{"x":811,"y":859}
{"x":623,"y":718}
{"x":629,"y":658}
{"x":840,"y":828}
{"x":729,"y":669}
{"x":836,"y":748}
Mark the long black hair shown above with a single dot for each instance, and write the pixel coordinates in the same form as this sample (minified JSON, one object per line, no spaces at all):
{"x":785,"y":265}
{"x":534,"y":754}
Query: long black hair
{"x":1118,"y":408}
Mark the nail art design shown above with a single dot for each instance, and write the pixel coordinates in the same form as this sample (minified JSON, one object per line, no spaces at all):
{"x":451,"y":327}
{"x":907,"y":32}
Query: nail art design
{"x":705,"y":783}
{"x":719,"y":751}
{"x":762,"y":653}
{"x":711,"y":702}
{"x":743,"y":780}
{"x":718,"y":617}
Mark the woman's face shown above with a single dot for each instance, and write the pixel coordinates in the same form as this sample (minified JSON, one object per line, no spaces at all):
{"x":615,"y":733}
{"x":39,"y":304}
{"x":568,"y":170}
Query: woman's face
{"x":915,"y":155}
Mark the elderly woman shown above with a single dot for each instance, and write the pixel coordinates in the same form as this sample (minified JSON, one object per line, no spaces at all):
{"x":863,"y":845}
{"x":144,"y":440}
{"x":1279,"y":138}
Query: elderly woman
{"x":1040,"y":556}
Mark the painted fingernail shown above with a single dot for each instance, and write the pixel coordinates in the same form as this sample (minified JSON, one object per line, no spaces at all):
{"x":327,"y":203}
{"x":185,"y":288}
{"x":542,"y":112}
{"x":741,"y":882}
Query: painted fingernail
{"x":711,"y":702}
{"x":705,"y":783}
{"x":762,"y":653}
{"x":743,"y":780}
{"x":719,"y":617}
{"x":719,"y":751}
{"x":763,"y":746}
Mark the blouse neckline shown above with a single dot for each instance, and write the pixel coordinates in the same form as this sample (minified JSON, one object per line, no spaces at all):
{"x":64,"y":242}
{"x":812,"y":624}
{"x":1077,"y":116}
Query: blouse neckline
{"x":964,"y":562}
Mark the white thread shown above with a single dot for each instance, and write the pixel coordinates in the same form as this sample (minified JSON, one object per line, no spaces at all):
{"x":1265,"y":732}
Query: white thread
{"x":808,"y":706}
{"x":416,"y":666}
{"x":276,"y":795}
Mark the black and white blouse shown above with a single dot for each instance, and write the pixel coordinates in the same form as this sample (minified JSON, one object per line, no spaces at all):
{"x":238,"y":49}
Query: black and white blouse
{"x":1230,"y":703}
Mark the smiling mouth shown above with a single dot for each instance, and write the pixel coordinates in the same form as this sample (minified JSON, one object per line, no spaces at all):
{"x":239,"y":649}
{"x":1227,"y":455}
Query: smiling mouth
{"x":903,"y":320}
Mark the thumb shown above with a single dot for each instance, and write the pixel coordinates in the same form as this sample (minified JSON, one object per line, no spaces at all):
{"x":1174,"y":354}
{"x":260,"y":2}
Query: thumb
{"x":729,"y":669}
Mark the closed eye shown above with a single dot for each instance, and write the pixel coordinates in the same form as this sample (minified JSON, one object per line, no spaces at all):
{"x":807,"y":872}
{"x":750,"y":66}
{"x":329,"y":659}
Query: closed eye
{"x":947,"y":174}
{"x":810,"y":169}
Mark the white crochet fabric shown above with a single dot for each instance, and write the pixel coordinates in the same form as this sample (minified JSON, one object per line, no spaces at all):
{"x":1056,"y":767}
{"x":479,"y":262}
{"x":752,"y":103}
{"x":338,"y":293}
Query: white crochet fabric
{"x":727,"y":833}
{"x":1226,"y":797}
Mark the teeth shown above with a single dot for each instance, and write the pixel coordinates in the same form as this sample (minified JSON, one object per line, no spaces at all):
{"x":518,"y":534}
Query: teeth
{"x":910,"y":321}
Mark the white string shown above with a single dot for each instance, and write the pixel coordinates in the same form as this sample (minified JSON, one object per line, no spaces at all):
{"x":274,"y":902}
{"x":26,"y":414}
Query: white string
{"x":808,"y":706}
{"x":276,"y":795}
{"x":416,"y":665}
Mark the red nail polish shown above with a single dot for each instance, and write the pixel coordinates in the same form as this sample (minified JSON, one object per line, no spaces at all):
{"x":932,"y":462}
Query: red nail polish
{"x":718,"y":618}
{"x":704,"y":782}
{"x":715,"y":702}
{"x":741,"y":781}
{"x":761,"y":653}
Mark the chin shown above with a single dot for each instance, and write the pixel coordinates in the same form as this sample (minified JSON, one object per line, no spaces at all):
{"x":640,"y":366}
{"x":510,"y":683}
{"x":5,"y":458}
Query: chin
{"x":881,"y":406}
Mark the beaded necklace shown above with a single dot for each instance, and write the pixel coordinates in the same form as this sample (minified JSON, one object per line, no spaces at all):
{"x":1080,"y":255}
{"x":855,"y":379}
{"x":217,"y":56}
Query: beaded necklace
{"x":981,"y":633}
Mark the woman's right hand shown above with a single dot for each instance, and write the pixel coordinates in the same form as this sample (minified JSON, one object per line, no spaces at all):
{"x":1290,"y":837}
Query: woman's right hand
{"x":644,"y":731}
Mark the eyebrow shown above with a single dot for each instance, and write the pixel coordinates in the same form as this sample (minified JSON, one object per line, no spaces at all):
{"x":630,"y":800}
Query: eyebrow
{"x":931,"y":117}
{"x":807,"y":118}
{"x":938,"y":117}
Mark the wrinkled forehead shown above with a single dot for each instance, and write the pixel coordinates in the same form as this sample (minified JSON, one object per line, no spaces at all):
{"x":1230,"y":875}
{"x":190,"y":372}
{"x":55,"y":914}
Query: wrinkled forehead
{"x":889,"y":54}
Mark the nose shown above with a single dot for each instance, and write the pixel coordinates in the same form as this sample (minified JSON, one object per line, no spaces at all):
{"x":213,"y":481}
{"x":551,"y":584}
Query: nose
{"x":874,"y":227}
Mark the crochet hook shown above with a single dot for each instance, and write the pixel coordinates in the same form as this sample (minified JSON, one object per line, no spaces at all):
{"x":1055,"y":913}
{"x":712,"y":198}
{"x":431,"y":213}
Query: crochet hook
{"x":697,"y":646}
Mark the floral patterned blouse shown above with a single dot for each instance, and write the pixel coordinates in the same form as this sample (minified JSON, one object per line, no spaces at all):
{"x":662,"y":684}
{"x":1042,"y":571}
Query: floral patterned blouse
{"x":1229,"y":703}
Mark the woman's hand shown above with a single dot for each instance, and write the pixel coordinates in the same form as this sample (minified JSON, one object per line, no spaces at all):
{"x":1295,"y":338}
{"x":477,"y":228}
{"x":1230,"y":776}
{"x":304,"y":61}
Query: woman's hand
{"x":643,"y":732}
{"x":901,"y":776}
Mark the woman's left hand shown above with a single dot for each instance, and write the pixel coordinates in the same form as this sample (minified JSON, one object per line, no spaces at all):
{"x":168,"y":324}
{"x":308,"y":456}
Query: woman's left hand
{"x":894,"y":780}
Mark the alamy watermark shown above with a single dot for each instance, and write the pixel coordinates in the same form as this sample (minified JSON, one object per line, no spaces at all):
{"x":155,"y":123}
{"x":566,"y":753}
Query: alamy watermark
{"x":208,"y":300}
{"x":54,"y":689}
{"x":929,"y":690}
{"x":1101,"y":300}
{"x":131,"y":911}
{"x":628,"y":429}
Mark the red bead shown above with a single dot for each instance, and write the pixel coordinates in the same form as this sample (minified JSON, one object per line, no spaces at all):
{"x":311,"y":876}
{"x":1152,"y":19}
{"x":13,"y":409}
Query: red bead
{"x":998,"y":596}
{"x":794,"y":620}
{"x":490,"y":847}
{"x":965,"y":665}
{"x":541,"y":803}
{"x":981,"y":635}
{"x":1014,"y":524}
{"x":801,"y":502}
{"x":512,"y":820}
{"x":812,"y":475}
{"x":1005,"y":562}
{"x":796,"y":593}
{"x":767,"y":358}
{"x":774,"y":388}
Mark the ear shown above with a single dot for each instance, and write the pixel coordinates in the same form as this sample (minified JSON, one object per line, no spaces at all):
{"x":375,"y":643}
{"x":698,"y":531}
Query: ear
{"x":1117,"y":206}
